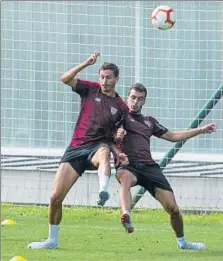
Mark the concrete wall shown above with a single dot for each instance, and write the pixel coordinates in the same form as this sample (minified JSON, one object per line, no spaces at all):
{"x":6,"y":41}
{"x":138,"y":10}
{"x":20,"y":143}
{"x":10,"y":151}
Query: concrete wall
{"x":33,"y":187}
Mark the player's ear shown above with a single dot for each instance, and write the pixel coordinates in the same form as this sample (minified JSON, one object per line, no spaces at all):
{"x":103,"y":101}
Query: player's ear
{"x":116,"y":79}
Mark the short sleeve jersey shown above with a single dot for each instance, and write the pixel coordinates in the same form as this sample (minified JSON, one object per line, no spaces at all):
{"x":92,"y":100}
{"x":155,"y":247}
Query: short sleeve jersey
{"x":99,"y":114}
{"x":136,"y":143}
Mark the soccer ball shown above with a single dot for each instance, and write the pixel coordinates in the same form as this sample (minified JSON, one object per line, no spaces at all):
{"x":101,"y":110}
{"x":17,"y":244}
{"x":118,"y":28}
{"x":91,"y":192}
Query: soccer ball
{"x":163,"y":17}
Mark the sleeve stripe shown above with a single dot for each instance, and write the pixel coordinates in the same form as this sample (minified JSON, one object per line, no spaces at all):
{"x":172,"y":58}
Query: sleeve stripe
{"x":160,"y":126}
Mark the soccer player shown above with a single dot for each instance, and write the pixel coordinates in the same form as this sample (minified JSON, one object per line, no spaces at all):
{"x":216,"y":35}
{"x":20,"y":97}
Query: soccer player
{"x":143,"y":170}
{"x":101,"y":111}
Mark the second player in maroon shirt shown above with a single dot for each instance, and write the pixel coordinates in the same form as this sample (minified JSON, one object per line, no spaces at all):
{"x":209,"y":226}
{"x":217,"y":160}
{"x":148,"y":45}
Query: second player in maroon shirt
{"x":139,"y":130}
{"x":141,"y":169}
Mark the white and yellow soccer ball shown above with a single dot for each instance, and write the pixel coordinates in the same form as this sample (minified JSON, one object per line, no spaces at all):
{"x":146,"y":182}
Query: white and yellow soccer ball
{"x":163,"y":17}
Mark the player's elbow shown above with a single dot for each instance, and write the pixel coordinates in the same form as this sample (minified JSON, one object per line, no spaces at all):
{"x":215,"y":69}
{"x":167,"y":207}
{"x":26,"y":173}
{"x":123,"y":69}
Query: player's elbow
{"x":69,"y":81}
{"x":64,"y":79}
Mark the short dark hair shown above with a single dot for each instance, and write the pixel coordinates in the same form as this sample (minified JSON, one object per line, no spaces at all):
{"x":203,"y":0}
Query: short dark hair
{"x":139,"y":88}
{"x":110,"y":66}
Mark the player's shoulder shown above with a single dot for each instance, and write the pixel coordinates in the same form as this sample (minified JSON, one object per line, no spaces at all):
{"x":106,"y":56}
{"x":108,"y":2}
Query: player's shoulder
{"x":155,"y":123}
{"x":122,"y":103}
{"x":150,"y":119}
{"x":88,"y":83}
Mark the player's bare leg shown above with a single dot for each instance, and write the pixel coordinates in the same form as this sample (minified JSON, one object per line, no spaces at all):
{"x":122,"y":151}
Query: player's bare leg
{"x":127,"y":180}
{"x":101,"y":160}
{"x":65,"y":178}
{"x":167,"y":199}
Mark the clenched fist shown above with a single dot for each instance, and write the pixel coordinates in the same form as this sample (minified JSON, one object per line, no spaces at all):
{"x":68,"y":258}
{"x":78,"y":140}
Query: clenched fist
{"x":209,"y":128}
{"x":92,"y":58}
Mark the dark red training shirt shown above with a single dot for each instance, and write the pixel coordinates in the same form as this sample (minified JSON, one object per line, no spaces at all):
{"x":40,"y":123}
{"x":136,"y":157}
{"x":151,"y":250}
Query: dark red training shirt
{"x":99,"y":114}
{"x":136,"y":143}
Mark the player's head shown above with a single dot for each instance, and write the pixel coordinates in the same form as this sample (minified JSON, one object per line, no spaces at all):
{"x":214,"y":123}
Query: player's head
{"x":136,"y":97}
{"x":108,"y":77}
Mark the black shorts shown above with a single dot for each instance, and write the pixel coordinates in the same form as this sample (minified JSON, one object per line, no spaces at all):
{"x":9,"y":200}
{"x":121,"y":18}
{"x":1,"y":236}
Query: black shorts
{"x":80,"y":157}
{"x":149,"y":176}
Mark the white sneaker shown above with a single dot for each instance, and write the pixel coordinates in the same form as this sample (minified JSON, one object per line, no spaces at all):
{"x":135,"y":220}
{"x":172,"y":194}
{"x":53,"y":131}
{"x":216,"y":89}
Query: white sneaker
{"x":193,"y":246}
{"x":48,"y":244}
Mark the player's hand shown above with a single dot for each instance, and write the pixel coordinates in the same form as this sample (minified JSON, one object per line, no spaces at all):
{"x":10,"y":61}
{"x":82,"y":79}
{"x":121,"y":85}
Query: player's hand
{"x":209,"y":128}
{"x":92,"y":58}
{"x":120,"y":134}
{"x":123,"y":158}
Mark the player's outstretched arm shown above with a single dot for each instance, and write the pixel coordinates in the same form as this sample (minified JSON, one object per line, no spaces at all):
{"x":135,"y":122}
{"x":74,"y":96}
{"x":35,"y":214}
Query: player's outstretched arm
{"x":187,"y":134}
{"x":69,"y":77}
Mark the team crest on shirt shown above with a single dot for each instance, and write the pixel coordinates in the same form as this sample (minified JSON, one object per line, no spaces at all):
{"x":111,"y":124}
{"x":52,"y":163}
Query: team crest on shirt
{"x":148,"y":123}
{"x":97,"y":99}
{"x":113,"y":110}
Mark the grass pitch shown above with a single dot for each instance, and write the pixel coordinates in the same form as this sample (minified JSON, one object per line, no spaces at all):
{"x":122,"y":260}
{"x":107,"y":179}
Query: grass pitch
{"x":95,"y":234}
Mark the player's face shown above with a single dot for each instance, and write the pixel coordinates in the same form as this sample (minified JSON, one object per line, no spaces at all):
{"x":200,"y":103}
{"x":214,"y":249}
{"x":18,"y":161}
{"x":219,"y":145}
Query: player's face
{"x":135,"y":101}
{"x":107,"y":80}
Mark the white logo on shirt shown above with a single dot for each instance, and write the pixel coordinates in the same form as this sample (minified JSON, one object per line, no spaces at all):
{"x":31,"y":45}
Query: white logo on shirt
{"x":131,"y":119}
{"x":148,"y":123}
{"x":97,"y":99}
{"x":113,"y":110}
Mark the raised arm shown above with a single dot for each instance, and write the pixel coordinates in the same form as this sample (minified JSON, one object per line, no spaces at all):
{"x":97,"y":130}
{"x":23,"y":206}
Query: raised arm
{"x":187,"y":134}
{"x":69,"y":77}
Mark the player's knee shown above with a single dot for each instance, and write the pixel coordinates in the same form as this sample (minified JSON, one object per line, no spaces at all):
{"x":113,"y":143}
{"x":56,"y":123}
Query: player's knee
{"x":173,"y":210}
{"x":55,"y":199}
{"x":124,"y":179}
{"x":104,"y":154}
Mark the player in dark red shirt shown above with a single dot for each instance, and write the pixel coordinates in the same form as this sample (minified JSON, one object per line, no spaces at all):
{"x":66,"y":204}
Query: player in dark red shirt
{"x":142,"y":169}
{"x":101,"y":112}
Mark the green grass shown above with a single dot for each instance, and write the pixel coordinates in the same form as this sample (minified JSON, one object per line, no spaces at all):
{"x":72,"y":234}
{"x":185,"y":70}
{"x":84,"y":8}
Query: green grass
{"x":94,"y":234}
